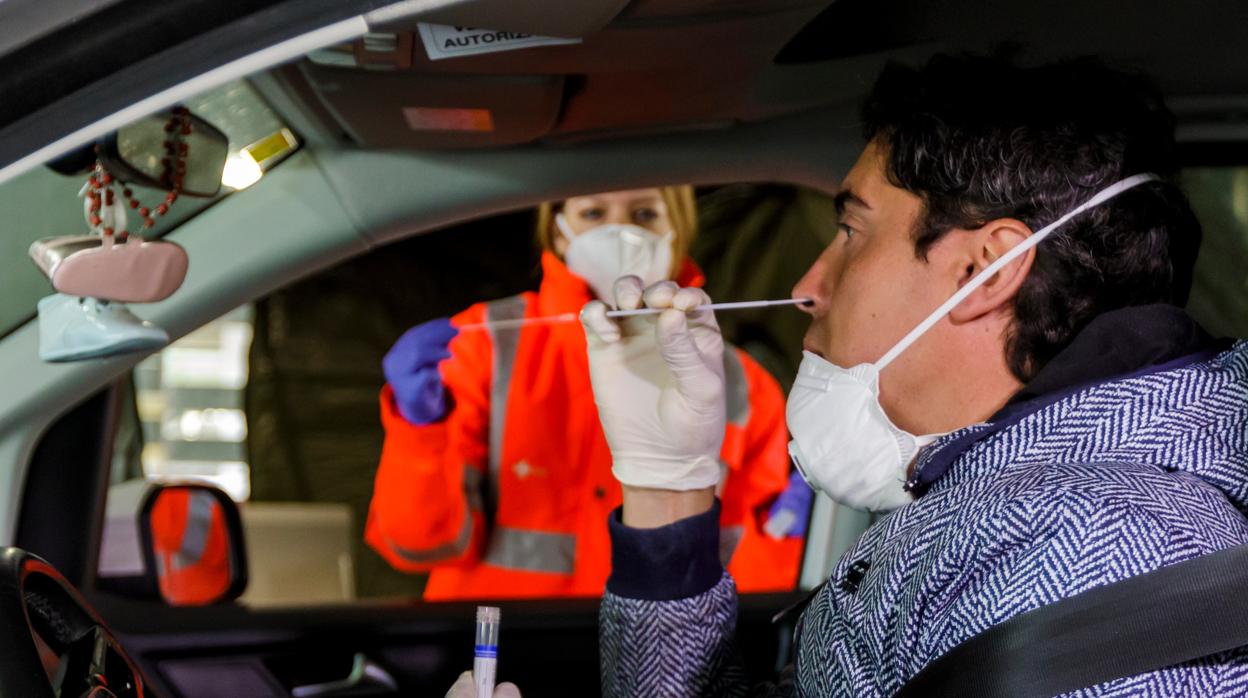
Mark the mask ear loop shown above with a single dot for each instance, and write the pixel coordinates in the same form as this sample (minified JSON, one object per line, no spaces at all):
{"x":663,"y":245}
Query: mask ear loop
{"x":562,"y":224}
{"x":1014,"y":253}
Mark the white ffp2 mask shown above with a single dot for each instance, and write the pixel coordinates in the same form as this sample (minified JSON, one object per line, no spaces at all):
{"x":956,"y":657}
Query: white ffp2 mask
{"x":604,"y":253}
{"x":843,"y":443}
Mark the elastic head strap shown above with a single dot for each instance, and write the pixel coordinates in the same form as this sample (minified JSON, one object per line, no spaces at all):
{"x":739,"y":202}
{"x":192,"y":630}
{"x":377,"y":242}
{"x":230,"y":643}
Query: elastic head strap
{"x":562,"y":224}
{"x":1018,"y":250}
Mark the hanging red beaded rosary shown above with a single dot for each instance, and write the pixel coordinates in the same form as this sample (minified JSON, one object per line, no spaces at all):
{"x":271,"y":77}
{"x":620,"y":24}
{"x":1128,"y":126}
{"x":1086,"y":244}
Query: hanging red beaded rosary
{"x":106,"y":217}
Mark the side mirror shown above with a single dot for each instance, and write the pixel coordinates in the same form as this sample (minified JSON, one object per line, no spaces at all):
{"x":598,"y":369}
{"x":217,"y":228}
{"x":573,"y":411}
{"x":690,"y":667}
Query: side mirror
{"x":136,"y":153}
{"x":193,"y":544}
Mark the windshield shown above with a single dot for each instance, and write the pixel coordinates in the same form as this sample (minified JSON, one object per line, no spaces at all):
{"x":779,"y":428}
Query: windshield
{"x":43,"y":203}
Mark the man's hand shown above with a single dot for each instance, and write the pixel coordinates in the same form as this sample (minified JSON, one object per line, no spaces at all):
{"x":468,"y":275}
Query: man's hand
{"x":465,"y":687}
{"x":659,"y":385}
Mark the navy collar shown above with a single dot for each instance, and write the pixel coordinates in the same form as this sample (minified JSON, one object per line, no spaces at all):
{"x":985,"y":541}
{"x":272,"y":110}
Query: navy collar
{"x":1117,"y":345}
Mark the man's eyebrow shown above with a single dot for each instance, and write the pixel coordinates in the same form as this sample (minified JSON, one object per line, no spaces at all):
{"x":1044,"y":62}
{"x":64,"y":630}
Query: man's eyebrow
{"x":847,"y":196}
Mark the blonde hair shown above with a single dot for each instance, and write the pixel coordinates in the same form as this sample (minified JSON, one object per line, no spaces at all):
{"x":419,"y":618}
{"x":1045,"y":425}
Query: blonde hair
{"x":682,"y":211}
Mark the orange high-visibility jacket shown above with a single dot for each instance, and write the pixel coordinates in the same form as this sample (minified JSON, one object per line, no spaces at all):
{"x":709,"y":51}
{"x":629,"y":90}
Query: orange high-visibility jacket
{"x":508,"y":497}
{"x":191,"y":543}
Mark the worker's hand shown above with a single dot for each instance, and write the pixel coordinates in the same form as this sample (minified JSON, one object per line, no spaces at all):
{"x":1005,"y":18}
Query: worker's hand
{"x":411,"y":368}
{"x":659,"y":384}
{"x":790,"y":513}
{"x":465,"y":687}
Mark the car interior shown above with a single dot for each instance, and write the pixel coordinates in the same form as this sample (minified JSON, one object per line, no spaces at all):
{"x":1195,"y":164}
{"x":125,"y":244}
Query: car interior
{"x":380,"y":167}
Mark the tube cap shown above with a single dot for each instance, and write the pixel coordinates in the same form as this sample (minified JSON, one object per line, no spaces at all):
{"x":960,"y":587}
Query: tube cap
{"x":488,"y":614}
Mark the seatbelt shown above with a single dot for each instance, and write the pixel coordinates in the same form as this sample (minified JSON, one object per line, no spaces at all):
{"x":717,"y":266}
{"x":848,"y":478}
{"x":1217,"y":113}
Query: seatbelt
{"x":1175,"y":614}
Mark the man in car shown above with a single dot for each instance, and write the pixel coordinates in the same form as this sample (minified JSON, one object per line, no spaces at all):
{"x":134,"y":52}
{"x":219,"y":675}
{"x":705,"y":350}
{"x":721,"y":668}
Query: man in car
{"x":997,"y":355}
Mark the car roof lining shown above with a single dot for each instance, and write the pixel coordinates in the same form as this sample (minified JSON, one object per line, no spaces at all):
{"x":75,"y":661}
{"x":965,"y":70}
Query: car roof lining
{"x":666,"y":64}
{"x":25,"y":21}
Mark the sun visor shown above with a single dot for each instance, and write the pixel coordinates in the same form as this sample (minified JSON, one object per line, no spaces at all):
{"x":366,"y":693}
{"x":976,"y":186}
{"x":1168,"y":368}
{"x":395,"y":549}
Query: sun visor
{"x":406,"y":110}
{"x":565,"y":18}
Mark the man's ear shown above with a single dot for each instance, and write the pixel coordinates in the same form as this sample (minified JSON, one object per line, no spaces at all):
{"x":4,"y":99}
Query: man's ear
{"x":989,"y":243}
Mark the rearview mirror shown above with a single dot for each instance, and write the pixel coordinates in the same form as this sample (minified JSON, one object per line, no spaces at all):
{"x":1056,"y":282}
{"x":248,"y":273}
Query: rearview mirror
{"x":138,"y":153}
{"x":193,"y":544}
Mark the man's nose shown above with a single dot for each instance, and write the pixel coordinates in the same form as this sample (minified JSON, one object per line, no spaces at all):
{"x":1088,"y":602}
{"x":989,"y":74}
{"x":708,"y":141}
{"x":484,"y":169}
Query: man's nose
{"x":810,"y":287}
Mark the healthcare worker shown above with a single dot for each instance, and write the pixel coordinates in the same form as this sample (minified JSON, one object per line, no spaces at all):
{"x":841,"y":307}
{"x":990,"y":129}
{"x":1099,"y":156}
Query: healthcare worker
{"x":998,"y":357}
{"x":495,"y":476}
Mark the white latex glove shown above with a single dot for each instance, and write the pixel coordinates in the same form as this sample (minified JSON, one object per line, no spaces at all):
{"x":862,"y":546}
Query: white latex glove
{"x":465,"y":687}
{"x":659,"y":384}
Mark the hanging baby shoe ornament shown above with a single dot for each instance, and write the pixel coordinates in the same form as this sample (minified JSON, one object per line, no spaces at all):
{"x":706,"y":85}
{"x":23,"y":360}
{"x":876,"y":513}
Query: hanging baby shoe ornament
{"x":96,"y":274}
{"x":108,"y":264}
{"x":74,"y":329}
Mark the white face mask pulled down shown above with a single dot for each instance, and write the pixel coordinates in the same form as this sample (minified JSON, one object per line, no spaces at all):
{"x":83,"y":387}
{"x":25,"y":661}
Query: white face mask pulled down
{"x":844,"y":444}
{"x":604,"y":253}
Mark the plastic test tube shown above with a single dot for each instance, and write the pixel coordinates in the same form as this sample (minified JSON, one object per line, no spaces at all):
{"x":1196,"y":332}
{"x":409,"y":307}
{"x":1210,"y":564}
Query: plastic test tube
{"x":485,"y":654}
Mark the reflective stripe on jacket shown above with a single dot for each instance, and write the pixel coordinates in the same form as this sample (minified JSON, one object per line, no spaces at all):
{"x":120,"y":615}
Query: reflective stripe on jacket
{"x":191,"y":546}
{"x":509,"y":496}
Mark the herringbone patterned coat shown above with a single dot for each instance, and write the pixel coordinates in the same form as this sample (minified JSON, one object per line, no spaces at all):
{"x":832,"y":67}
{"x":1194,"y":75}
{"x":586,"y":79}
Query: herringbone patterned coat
{"x":1099,"y":484}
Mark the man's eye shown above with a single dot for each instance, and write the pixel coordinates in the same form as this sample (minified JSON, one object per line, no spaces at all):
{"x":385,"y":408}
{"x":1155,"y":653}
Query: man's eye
{"x":591,"y":214}
{"x":849,"y":232}
{"x":645,"y":215}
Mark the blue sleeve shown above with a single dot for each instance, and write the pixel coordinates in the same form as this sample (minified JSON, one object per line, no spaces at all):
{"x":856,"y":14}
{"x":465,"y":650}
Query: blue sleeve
{"x":677,"y":561}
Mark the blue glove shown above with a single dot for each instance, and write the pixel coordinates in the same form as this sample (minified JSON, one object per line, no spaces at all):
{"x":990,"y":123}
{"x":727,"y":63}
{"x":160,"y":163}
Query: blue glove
{"x":411,"y":368}
{"x":790,"y":514}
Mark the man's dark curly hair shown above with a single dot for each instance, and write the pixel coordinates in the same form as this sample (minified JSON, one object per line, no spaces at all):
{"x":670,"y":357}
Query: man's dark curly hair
{"x":979,"y":138}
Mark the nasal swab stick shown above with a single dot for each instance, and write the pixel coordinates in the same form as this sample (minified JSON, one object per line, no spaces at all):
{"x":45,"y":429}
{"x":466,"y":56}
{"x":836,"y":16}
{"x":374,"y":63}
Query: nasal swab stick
{"x":739,"y":305}
{"x":573,"y":317}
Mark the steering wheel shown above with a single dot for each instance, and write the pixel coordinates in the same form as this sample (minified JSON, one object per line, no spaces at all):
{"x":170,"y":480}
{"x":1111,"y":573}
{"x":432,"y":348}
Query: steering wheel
{"x":51,"y":641}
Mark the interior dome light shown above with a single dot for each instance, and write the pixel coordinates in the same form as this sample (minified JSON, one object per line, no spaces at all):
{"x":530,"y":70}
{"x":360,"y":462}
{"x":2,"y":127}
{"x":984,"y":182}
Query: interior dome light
{"x":241,"y":171}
